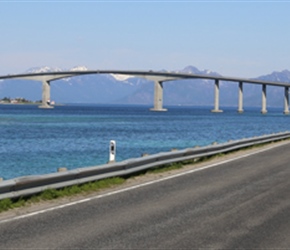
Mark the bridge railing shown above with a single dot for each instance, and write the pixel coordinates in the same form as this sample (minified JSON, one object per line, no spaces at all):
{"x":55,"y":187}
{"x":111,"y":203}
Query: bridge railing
{"x":29,"y":185}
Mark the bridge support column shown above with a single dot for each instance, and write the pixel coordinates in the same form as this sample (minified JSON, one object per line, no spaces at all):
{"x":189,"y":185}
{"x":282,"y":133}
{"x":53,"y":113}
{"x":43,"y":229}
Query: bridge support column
{"x":240,"y":107}
{"x":264,"y":99}
{"x":158,"y":97}
{"x":45,"y":95}
{"x":286,"y":101}
{"x":216,"y":98}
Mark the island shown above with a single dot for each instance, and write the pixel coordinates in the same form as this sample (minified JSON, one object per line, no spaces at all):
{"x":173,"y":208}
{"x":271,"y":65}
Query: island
{"x":17,"y":100}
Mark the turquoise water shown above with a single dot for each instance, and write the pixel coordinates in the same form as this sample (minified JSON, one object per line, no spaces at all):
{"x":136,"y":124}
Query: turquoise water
{"x":37,"y":141}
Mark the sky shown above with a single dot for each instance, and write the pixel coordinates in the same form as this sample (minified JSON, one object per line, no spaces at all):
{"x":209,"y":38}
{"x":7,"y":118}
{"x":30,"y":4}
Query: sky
{"x":234,"y":38}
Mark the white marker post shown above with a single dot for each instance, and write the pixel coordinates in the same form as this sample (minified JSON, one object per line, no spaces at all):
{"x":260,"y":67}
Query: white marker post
{"x":112,"y":151}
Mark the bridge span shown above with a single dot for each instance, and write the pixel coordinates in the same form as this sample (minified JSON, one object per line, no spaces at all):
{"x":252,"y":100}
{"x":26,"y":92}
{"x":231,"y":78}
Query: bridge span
{"x":159,"y":78}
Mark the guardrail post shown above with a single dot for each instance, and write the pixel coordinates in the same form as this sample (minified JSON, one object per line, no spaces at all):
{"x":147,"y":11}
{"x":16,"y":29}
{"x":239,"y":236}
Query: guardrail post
{"x":63,"y":169}
{"x":112,"y":151}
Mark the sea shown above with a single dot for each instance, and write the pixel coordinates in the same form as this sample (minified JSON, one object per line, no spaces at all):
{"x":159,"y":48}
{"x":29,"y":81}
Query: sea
{"x":36,"y":141}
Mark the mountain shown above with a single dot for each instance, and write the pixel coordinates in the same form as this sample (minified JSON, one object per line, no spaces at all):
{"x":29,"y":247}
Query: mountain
{"x":275,"y":95}
{"x":283,"y":76}
{"x":43,"y":69}
{"x":178,"y":92}
{"x":119,"y":89}
{"x":80,"y":89}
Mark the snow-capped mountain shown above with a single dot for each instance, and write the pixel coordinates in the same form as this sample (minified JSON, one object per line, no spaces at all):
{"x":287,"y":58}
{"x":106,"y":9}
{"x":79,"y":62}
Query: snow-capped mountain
{"x":79,"y":68}
{"x":43,"y":69}
{"x":76,"y":68}
{"x":55,"y":69}
{"x":121,"y":77}
{"x":283,"y":76}
{"x":193,"y":70}
{"x":113,"y":88}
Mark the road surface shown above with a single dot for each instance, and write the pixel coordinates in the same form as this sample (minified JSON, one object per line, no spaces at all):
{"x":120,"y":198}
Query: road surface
{"x":243,"y":203}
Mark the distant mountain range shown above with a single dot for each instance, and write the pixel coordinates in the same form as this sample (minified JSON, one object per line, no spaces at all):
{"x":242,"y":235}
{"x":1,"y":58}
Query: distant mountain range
{"x":118,"y":89}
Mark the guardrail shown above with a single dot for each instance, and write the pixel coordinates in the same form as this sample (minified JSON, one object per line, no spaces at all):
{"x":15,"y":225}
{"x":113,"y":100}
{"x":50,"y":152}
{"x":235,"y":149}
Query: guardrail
{"x":29,"y":185}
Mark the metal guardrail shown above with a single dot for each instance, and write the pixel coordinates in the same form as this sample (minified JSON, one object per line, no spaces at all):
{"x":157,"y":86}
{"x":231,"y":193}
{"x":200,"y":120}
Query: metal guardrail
{"x":29,"y":185}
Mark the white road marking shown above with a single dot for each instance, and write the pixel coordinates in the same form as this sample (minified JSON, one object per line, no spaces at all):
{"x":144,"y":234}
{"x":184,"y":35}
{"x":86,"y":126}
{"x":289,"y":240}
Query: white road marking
{"x":137,"y":186}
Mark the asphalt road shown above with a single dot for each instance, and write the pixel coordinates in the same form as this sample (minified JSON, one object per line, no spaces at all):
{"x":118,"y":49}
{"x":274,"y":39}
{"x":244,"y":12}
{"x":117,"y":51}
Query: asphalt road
{"x":240,"y":204}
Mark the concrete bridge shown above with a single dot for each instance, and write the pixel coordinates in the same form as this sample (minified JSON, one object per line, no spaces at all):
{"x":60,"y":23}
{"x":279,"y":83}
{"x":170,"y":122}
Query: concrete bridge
{"x":159,"y":78}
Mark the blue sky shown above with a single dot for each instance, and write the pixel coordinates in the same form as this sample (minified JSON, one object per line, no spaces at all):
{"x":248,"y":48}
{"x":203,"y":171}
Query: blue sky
{"x":233,"y":38}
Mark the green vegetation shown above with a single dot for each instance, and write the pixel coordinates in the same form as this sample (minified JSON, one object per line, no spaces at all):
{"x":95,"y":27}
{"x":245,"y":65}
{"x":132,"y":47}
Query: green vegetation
{"x":169,"y":167}
{"x":51,"y":194}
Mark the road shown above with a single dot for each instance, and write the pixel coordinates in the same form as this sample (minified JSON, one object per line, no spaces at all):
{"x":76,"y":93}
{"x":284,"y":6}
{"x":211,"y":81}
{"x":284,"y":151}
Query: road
{"x":239,"y":204}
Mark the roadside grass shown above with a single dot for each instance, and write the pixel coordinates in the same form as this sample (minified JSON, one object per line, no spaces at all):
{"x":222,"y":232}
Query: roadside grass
{"x":51,"y":194}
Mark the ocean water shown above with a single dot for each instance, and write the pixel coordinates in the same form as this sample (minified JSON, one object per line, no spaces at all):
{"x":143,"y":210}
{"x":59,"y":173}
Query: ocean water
{"x":37,"y":141}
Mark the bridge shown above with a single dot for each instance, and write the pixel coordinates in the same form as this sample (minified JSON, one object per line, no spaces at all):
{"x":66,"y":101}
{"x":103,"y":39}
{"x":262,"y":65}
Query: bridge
{"x":159,"y":78}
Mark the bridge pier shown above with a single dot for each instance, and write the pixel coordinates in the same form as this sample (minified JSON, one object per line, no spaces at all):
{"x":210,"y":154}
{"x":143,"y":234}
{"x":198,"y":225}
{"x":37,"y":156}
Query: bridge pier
{"x":264,"y":99}
{"x":216,"y":98}
{"x":286,"y":100}
{"x":45,"y":95}
{"x":240,"y":107}
{"x":158,"y":96}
